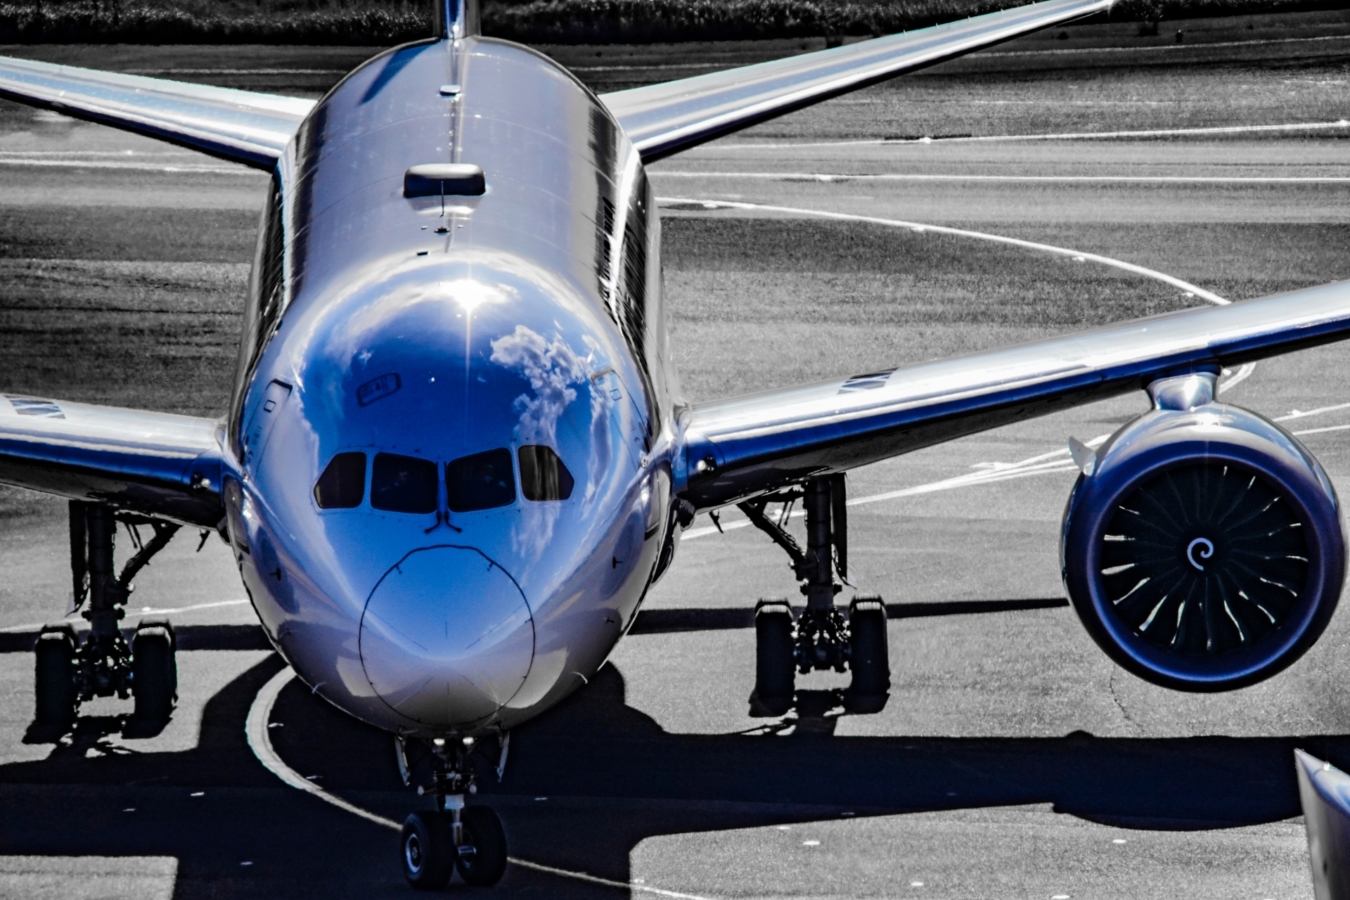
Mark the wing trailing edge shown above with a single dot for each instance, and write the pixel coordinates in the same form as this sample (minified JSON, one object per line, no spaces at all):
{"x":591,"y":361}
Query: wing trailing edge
{"x":662,"y":119}
{"x":158,"y":464}
{"x":747,"y":445}
{"x":240,"y":126}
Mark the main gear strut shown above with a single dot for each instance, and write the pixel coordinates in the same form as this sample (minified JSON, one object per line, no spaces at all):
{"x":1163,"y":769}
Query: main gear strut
{"x":822,"y":635}
{"x":104,"y":664}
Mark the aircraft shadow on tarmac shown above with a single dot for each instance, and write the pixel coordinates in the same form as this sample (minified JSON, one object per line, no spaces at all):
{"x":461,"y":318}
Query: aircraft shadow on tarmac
{"x":613,"y":778}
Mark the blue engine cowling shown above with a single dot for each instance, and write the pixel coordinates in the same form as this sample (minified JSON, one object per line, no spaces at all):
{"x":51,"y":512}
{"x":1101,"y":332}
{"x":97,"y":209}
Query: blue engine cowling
{"x":1202,"y":548}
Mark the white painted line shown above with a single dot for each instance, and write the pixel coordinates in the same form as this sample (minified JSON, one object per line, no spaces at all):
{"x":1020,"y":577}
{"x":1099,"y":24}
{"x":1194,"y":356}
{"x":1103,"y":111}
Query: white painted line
{"x":1242,"y":374}
{"x":260,"y":741}
{"x":1044,"y":464}
{"x":1165,"y":47}
{"x":138,"y":613}
{"x":1048,"y":51}
{"x":40,"y":163}
{"x":118,"y":154}
{"x":843,"y":177}
{"x":152,"y":611}
{"x":1321,"y":430}
{"x":1212,"y":131}
{"x":1299,"y":414}
{"x":163,"y":72}
{"x":1053,"y":461}
{"x":1185,"y":286}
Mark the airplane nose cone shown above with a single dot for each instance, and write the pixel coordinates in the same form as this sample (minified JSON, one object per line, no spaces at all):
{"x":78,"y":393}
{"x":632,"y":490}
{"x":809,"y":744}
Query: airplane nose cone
{"x":447,"y":637}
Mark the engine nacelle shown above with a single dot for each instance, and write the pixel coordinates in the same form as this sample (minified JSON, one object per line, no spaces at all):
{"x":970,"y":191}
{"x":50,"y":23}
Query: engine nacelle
{"x":1202,"y":546}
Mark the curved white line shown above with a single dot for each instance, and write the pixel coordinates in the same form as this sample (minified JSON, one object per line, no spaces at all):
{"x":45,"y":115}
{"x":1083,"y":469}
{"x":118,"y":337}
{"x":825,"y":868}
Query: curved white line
{"x":1242,"y":374}
{"x":1062,"y":136}
{"x":260,"y":741}
{"x":1185,"y":286}
{"x":842,"y":177}
{"x":1044,"y":463}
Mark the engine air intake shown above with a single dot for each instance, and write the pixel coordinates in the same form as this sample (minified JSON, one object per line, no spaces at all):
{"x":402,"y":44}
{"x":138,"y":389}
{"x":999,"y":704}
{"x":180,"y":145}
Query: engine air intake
{"x":1204,"y":551}
{"x":1204,"y":559}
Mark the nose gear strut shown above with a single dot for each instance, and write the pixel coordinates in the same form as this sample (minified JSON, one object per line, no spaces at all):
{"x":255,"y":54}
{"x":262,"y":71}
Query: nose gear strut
{"x":451,"y":836}
{"x":822,"y":635}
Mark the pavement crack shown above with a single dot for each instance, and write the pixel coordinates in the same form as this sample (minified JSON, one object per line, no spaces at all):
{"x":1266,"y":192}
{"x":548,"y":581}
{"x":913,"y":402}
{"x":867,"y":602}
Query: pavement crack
{"x":1120,"y":705}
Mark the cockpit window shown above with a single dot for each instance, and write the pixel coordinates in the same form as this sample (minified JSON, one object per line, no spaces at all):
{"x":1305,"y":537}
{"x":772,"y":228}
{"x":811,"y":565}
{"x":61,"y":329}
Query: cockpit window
{"x":481,"y":481}
{"x":403,"y":484}
{"x":343,"y":483}
{"x":543,"y":475}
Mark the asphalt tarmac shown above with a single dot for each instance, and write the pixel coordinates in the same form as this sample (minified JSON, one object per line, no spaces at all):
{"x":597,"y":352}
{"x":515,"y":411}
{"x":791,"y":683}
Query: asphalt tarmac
{"x":1012,"y":759}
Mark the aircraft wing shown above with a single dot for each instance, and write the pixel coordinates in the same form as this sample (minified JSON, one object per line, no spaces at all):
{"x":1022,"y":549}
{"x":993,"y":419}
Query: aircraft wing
{"x":154,"y":463}
{"x":747,"y":445}
{"x":240,"y":126}
{"x":662,"y":119}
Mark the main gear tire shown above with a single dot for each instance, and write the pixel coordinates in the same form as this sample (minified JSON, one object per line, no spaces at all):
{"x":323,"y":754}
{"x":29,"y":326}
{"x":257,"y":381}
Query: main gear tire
{"x":55,"y":688}
{"x":154,"y":673}
{"x":775,"y":662}
{"x":869,"y":655}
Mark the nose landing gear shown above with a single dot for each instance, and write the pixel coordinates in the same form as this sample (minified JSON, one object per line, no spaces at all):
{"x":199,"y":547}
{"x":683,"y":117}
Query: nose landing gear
{"x":822,"y":636}
{"x":452,"y":836}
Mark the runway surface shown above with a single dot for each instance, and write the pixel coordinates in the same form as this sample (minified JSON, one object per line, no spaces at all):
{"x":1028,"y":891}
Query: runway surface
{"x":1012,"y":759}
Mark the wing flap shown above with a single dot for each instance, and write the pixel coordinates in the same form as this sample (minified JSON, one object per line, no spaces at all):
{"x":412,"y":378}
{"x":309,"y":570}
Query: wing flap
{"x":742,"y":446}
{"x":154,"y":463}
{"x":662,"y":119}
{"x":241,"y":126}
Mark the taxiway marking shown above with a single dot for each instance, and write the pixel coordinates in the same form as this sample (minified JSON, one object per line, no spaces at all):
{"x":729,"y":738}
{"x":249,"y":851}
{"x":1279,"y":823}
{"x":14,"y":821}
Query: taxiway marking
{"x":260,"y":741}
{"x":138,"y":613}
{"x":1057,"y":51}
{"x":843,"y":177}
{"x":30,"y":161}
{"x":1211,"y":131}
{"x":988,"y":473}
{"x":1079,"y":255}
{"x":1055,"y":460}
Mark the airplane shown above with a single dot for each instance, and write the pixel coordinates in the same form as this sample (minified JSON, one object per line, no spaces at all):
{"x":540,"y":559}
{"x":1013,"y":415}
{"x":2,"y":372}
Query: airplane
{"x":456,"y":455}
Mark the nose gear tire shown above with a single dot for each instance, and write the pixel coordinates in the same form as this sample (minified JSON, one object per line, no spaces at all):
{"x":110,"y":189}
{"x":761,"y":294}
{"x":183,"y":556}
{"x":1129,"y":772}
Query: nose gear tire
{"x":482,"y":832}
{"x":428,"y":851}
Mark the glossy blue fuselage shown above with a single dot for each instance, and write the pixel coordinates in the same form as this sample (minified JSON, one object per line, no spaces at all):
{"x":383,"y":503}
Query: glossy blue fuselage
{"x":434,"y":329}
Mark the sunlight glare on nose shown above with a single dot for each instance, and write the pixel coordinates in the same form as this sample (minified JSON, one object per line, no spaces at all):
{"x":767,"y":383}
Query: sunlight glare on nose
{"x":470,"y":294}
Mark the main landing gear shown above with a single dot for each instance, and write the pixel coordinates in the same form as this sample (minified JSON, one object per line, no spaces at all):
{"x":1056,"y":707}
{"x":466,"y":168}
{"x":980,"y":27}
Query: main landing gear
{"x":823,"y":636}
{"x":70,"y":672}
{"x":451,"y":836}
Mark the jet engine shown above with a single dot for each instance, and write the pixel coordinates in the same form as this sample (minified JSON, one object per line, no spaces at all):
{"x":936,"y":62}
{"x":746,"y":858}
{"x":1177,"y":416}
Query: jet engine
{"x":1202,"y":545}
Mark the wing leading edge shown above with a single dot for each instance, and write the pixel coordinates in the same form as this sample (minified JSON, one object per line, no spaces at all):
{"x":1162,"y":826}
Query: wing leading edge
{"x":241,"y":126}
{"x":153,"y":463}
{"x":662,"y":119}
{"x":742,"y":446}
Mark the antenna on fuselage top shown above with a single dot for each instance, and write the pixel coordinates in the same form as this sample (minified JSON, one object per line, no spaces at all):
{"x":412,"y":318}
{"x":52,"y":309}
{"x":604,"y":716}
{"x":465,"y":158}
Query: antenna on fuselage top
{"x":454,"y":19}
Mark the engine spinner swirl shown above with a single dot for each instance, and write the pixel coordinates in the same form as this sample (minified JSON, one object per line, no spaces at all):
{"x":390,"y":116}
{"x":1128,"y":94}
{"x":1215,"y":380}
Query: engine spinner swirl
{"x":1204,"y":558}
